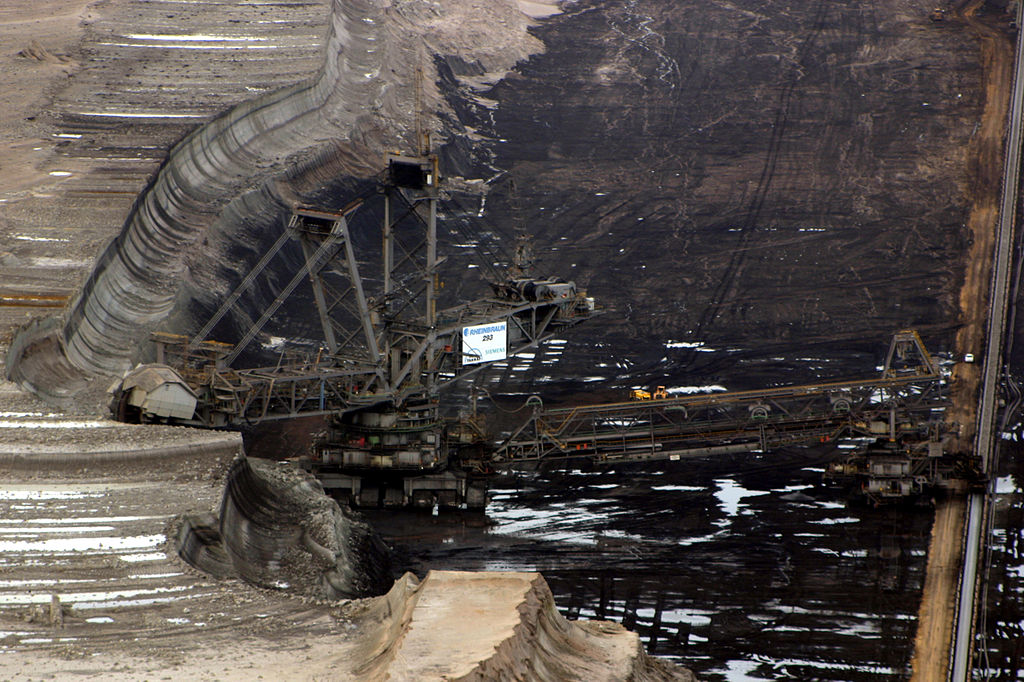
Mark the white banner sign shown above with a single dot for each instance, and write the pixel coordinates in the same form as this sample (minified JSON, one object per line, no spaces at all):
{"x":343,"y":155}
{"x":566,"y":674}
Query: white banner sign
{"x":484,"y":343}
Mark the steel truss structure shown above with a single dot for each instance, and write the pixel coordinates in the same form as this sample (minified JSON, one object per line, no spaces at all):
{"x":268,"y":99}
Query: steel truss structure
{"x":904,"y":408}
{"x":389,"y":347}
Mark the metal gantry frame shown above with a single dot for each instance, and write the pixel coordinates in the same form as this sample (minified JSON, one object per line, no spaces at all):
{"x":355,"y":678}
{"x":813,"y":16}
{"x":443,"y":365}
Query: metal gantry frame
{"x":385,"y":346}
{"x":904,"y":399}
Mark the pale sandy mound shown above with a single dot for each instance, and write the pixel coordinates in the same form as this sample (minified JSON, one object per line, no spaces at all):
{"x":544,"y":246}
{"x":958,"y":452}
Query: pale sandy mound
{"x":493,"y":626}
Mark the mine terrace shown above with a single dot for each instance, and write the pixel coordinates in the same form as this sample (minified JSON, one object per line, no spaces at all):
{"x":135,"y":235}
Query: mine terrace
{"x":593,"y":340}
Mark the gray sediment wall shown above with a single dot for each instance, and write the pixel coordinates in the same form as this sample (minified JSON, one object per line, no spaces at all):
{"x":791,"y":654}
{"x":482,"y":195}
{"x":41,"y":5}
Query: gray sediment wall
{"x":260,"y":158}
{"x":134,"y":281}
{"x":223,"y":445}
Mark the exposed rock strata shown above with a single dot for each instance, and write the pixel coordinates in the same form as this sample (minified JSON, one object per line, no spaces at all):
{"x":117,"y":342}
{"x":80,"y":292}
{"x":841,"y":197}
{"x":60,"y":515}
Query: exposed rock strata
{"x":277,"y":529}
{"x":257,"y":159}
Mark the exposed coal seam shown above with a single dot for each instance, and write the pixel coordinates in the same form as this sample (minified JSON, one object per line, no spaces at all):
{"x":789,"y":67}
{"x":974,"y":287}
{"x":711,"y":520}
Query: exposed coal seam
{"x":754,"y":210}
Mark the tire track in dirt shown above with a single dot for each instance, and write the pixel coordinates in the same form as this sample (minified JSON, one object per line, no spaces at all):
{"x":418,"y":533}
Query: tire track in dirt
{"x":984,"y":184}
{"x":935,"y":618}
{"x":764,"y":184}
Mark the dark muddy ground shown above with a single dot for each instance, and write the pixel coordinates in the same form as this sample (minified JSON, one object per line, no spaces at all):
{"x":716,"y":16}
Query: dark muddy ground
{"x":758,"y":195}
{"x":1002,"y":651}
{"x":787,"y":181}
{"x":741,"y":568}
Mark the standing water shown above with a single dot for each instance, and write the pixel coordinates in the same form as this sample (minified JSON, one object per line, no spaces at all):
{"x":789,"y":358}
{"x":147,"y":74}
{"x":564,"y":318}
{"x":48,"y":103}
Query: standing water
{"x":741,"y":568}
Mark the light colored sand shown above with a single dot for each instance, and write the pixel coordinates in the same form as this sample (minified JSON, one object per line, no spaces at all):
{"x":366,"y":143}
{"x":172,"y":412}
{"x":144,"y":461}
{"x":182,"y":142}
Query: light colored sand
{"x":37,"y":41}
{"x":539,"y":9}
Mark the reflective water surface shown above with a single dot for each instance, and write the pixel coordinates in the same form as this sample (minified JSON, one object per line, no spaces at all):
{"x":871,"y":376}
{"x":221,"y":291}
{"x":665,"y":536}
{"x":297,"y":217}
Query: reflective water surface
{"x":742,"y":569}
{"x":1001,"y":633}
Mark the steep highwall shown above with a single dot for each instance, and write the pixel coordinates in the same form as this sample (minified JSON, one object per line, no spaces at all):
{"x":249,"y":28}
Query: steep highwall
{"x":259,"y":158}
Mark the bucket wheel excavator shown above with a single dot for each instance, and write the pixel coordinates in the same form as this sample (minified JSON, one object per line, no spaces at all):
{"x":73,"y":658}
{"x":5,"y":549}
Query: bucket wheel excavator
{"x":388,"y":351}
{"x":375,"y":381}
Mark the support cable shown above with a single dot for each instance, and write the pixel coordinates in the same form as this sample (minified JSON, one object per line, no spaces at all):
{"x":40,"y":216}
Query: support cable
{"x":310,"y":266}
{"x":242,"y":287}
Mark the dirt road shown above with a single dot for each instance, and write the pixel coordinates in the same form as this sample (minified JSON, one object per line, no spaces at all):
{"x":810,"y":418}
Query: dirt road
{"x":35,"y":59}
{"x":938,"y":603}
{"x":945,"y":553}
{"x":984,"y":185}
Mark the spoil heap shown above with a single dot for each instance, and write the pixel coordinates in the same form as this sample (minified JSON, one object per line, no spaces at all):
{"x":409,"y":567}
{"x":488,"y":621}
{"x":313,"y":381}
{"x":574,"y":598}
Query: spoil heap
{"x":495,"y":626}
{"x":277,"y":529}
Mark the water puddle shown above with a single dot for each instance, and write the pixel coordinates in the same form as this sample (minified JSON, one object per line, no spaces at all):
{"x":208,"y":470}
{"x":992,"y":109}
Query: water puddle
{"x":139,"y":114}
{"x":731,"y":495}
{"x":692,"y":390}
{"x":150,"y":601}
{"x":194,"y":37}
{"x":27,"y":238}
{"x":194,"y":46}
{"x":36,"y":530}
{"x":16,"y":493}
{"x":106,"y":599}
{"x":91,"y":519}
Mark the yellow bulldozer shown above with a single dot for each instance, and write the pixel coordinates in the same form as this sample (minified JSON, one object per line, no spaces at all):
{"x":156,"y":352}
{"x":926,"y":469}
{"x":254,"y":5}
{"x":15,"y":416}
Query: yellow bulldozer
{"x":640,"y":394}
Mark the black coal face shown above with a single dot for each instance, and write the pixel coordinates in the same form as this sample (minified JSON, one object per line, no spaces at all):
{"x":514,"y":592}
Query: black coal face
{"x":759,"y":195}
{"x":771,"y":181}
